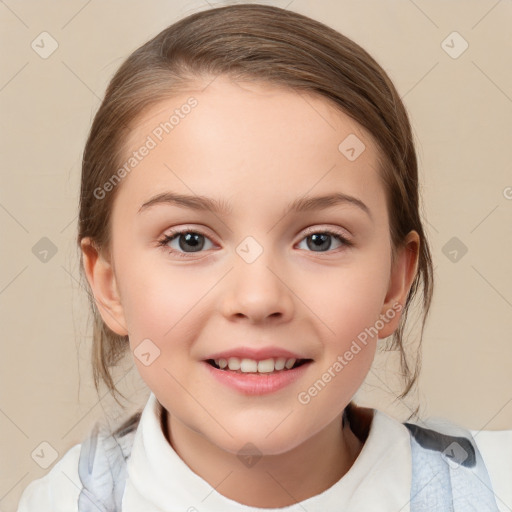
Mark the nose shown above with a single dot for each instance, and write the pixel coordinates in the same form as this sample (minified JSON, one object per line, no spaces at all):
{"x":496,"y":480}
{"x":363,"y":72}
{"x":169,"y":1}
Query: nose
{"x":257,"y":293}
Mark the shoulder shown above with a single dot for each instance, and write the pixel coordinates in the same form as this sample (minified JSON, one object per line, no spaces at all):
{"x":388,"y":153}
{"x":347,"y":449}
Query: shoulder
{"x":487,"y":454}
{"x":89,"y":466}
{"x":496,"y":450}
{"x":58,"y":490}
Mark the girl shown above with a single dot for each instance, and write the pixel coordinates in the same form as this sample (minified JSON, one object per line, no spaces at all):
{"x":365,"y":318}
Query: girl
{"x":249,"y":228}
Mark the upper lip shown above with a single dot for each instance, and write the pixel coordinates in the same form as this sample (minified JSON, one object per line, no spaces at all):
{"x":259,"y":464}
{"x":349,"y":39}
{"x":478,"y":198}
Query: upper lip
{"x":258,"y":354}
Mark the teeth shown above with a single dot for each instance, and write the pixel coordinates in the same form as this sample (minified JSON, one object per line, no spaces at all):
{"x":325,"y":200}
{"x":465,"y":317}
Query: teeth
{"x":253,"y":366}
{"x":279,"y":363}
{"x":289,"y":363}
{"x":266,"y":366}
{"x":233,"y":363}
{"x":248,"y":365}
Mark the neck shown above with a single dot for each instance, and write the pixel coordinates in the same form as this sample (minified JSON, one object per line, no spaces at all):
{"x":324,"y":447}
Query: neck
{"x":274,"y":481}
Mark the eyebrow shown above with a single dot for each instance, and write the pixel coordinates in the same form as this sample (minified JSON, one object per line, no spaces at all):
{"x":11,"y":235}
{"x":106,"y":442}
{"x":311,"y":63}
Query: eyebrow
{"x":193,"y":202}
{"x":303,"y":204}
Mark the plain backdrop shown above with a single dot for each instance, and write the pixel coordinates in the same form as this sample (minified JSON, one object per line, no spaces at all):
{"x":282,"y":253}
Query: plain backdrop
{"x":458,"y":91}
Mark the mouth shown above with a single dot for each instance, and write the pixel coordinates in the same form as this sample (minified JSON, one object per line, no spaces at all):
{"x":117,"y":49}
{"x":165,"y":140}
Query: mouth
{"x":257,"y":377}
{"x":253,"y":366}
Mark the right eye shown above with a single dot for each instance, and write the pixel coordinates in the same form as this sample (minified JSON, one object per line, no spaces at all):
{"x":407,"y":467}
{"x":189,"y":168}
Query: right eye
{"x":185,"y":241}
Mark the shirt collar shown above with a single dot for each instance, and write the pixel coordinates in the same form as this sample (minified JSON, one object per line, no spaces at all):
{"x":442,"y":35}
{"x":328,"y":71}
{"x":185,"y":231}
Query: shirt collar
{"x":159,"y":480}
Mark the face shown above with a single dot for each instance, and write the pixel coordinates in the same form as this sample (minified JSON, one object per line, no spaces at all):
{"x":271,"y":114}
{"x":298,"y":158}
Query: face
{"x":242,"y":258}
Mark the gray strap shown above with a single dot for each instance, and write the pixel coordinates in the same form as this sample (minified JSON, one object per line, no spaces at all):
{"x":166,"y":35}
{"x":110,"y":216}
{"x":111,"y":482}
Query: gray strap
{"x":102,"y":470}
{"x":448,"y":473}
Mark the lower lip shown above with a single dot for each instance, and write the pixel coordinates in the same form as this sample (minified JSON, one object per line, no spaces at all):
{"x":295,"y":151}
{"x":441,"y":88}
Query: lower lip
{"x":257,"y":383}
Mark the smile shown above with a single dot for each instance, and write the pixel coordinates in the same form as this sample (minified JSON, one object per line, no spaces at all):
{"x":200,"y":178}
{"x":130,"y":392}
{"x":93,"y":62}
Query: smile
{"x":246,"y":365}
{"x":257,"y":377}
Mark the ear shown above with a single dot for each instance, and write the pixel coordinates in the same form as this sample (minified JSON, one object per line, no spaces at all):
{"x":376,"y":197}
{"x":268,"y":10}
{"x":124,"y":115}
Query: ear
{"x":402,"y":276}
{"x":102,"y":281}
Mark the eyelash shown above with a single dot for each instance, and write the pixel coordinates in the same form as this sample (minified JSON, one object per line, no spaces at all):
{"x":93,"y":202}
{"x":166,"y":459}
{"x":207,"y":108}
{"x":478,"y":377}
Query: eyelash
{"x":171,"y":236}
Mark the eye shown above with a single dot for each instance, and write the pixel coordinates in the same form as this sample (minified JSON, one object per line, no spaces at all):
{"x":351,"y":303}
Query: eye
{"x":323,"y":241}
{"x":185,"y":241}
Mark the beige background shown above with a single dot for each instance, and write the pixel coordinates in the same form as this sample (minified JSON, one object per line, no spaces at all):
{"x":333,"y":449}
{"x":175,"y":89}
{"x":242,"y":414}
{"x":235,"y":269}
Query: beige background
{"x":461,"y":109}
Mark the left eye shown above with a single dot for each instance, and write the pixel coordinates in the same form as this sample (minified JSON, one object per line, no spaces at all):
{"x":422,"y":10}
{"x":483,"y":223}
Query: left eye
{"x":187,"y":241}
{"x":323,"y":241}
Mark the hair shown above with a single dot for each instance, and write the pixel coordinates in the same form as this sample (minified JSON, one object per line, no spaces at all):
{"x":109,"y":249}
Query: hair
{"x":274,"y":46}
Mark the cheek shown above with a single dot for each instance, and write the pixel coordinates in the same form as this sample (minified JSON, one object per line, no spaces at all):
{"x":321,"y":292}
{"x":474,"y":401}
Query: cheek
{"x":351,"y":298}
{"x":156,"y":299}
{"x":169,"y":307}
{"x":349,"y":309}
{"x":163,"y":316}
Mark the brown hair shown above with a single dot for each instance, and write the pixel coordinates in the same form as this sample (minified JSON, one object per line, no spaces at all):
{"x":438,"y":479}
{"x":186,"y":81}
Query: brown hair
{"x":273,"y":45}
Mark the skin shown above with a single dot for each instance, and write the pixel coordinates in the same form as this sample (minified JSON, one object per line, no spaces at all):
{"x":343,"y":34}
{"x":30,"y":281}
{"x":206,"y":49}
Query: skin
{"x":256,"y":147}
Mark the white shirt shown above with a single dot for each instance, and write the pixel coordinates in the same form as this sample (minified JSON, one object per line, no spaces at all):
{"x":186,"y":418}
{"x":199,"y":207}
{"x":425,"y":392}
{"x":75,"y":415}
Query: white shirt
{"x":158,"y":480}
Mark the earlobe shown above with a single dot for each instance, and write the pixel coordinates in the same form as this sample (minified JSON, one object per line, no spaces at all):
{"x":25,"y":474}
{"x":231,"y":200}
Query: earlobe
{"x":102,"y":281}
{"x":400,"y":282}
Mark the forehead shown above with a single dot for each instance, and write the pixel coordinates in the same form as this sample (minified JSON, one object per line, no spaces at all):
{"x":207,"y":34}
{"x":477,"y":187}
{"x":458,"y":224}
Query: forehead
{"x":220,"y":136}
